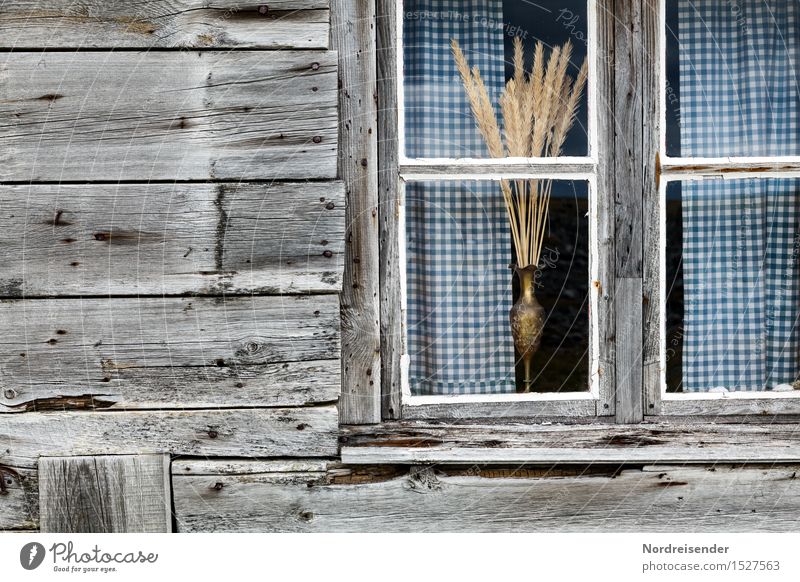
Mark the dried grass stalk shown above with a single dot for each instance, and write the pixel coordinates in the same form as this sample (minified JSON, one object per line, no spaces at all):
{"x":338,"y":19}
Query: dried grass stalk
{"x":538,"y":110}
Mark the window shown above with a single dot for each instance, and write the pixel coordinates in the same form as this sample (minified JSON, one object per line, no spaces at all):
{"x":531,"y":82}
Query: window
{"x":729,"y":282}
{"x":456,"y":243}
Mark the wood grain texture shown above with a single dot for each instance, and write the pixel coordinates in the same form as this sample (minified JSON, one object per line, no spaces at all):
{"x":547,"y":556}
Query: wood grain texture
{"x":629,"y":372}
{"x":523,"y":442}
{"x":105,"y":494}
{"x":253,"y":498}
{"x":179,"y":352}
{"x":604,"y":318}
{"x":177,"y":115}
{"x":353,"y":37}
{"x":155,"y":24}
{"x":171,"y":239}
{"x":275,"y":432}
{"x":19,"y":499}
{"x":536,"y":410}
{"x":391,"y":315}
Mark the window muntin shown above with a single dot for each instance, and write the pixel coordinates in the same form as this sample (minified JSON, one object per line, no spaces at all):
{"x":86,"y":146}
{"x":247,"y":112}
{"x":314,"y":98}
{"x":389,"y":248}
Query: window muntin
{"x":728,"y":253}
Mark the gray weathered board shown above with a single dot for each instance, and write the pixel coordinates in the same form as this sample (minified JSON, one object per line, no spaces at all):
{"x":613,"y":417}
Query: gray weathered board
{"x":274,"y":432}
{"x":105,"y":494}
{"x":163,"y":24}
{"x":258,"y":497}
{"x":171,"y":239}
{"x":19,"y":498}
{"x":180,"y":115}
{"x":173,"y":352}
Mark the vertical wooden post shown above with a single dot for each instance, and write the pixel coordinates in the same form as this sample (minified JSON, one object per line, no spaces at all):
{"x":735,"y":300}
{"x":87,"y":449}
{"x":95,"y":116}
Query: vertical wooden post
{"x":105,"y":494}
{"x":628,"y":188}
{"x":353,"y":37}
{"x":389,"y":205}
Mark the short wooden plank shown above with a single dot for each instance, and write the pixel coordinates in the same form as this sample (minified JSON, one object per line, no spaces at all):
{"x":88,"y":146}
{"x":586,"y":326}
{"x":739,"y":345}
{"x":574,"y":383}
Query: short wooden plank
{"x":391,"y":315}
{"x":105,"y":494}
{"x":177,"y":352}
{"x":521,"y":442}
{"x":628,"y":309}
{"x":19,"y":499}
{"x":421,"y":499}
{"x":115,"y":24}
{"x":721,"y":407}
{"x":460,"y":168}
{"x":170,"y":239}
{"x":274,"y":432}
{"x":353,"y":36}
{"x":180,"y":115}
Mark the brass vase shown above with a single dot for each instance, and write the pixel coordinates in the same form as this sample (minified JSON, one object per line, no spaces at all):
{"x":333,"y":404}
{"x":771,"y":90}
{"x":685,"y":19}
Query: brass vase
{"x":527,"y":322}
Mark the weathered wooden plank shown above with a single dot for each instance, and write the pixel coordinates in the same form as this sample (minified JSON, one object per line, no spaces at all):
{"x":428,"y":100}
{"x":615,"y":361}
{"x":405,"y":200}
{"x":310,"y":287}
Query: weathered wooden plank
{"x":391,"y":315}
{"x":168,"y":352}
{"x":274,"y":432}
{"x":19,"y":499}
{"x":353,"y":36}
{"x":628,"y":308}
{"x":603,"y":286}
{"x":167,"y":115}
{"x":459,"y":168}
{"x":163,"y":24}
{"x":170,"y":239}
{"x":658,"y":499}
{"x":105,"y":494}
{"x":651,"y":285}
{"x":520,"y":442}
{"x":534,"y":409}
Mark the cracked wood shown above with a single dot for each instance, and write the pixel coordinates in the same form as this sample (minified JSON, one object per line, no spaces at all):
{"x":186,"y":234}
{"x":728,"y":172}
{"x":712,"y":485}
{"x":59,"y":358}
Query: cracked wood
{"x":171,"y":239}
{"x":181,"y":352}
{"x":155,"y":24}
{"x":182,"y":115}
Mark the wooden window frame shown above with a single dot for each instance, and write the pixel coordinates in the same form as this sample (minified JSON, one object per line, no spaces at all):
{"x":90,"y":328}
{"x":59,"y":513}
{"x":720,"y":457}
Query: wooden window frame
{"x":671,"y":169}
{"x":628,"y":40}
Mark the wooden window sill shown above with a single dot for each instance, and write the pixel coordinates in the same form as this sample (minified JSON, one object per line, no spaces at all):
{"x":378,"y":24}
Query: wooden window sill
{"x":413,"y":442}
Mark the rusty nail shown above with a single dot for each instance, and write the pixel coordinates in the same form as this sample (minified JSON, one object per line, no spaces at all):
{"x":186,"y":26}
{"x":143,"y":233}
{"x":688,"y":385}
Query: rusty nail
{"x":364,"y":162}
{"x":316,"y":139}
{"x":263,"y":10}
{"x":212,"y":434}
{"x":218,"y":486}
{"x":327,"y":254}
{"x":330,"y":206}
{"x":315,"y":66}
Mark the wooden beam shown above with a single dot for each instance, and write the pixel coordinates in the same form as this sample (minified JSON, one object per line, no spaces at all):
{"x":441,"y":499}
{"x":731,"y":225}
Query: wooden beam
{"x":391,"y":315}
{"x":353,"y":37}
{"x":175,"y":352}
{"x":152,"y":24}
{"x":521,"y":442}
{"x":171,"y":239}
{"x":254,"y":497}
{"x":105,"y":494}
{"x":19,"y":498}
{"x":179,"y":115}
{"x":275,"y":432}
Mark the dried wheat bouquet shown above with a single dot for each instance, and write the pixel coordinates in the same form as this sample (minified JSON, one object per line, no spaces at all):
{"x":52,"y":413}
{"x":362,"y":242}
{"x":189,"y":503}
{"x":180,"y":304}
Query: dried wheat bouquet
{"x":538,"y":109}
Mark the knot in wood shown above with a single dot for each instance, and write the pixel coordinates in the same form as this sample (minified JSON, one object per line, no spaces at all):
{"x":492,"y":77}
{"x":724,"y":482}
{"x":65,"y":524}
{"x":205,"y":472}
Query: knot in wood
{"x":263,"y":10}
{"x":10,"y":393}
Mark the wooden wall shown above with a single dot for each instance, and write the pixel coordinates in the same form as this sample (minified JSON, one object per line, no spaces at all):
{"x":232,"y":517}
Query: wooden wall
{"x":171,"y":239}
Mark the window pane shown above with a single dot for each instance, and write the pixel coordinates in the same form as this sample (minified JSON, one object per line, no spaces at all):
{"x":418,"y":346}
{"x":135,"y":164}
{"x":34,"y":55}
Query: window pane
{"x":438,"y":119}
{"x":459,"y":290}
{"x":732,"y":78}
{"x":733,"y":286}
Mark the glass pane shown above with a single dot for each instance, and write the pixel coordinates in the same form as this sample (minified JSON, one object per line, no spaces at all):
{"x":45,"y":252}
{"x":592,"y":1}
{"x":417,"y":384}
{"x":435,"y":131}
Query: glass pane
{"x":732,"y":78}
{"x":459,"y":290}
{"x":733,"y":285}
{"x":439,"y":121}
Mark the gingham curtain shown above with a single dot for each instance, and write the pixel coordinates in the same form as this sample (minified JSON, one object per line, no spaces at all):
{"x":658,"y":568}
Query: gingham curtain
{"x":458,"y":247}
{"x":739,"y":97}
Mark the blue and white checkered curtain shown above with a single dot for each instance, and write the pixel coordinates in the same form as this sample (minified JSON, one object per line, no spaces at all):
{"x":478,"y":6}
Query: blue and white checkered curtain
{"x":458,"y":245}
{"x":739,"y":97}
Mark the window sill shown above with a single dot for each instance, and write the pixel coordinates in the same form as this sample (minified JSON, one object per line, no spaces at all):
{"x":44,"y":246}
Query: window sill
{"x":413,"y":442}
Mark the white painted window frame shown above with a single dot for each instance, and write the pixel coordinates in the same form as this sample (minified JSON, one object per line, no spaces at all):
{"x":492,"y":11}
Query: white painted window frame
{"x":585,"y":168}
{"x":703,"y":168}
